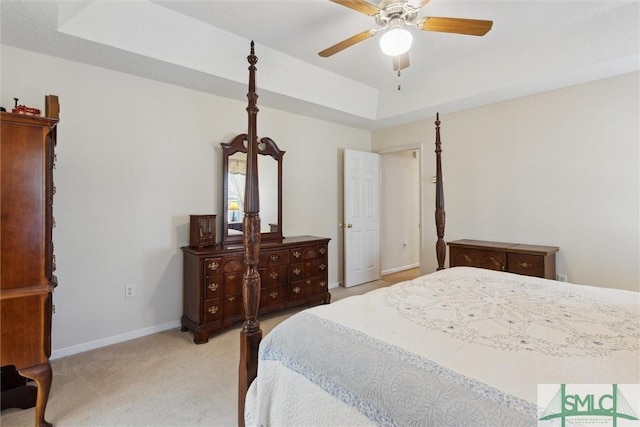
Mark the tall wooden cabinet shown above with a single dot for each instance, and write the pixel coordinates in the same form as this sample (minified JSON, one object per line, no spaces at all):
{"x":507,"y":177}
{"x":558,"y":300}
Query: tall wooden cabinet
{"x":27,"y":261}
{"x":293,"y":271}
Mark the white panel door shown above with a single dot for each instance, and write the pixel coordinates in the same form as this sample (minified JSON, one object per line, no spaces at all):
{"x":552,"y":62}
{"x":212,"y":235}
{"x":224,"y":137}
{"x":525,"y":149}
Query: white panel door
{"x":361,"y":217}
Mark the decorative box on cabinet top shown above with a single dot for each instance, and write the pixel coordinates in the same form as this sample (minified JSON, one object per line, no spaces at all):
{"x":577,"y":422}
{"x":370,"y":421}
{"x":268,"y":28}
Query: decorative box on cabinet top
{"x":202,"y":231}
{"x":529,"y":260}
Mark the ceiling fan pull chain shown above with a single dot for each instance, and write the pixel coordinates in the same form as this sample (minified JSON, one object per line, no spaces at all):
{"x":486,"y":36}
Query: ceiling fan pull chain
{"x":399,"y":87}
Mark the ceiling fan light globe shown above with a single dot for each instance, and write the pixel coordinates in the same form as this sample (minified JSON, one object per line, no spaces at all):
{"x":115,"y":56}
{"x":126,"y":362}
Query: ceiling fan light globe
{"x":396,"y":41}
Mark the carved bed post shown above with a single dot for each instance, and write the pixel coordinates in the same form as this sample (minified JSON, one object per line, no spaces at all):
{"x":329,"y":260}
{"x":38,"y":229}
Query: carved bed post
{"x":251,"y":333}
{"x":441,"y":247}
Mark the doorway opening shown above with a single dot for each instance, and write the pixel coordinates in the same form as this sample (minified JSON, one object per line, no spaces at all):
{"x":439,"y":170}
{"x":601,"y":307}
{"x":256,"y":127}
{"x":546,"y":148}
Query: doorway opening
{"x":400,"y":210}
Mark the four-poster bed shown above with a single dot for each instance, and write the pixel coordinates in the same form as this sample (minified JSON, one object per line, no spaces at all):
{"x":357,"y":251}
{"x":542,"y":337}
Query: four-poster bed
{"x":461,"y":346}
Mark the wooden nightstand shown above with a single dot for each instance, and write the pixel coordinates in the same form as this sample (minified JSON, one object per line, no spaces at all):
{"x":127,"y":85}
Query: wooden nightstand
{"x":529,"y":260}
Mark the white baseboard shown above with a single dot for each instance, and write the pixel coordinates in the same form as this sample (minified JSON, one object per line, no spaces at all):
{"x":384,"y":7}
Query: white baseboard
{"x":91,"y":345}
{"x":403,"y":268}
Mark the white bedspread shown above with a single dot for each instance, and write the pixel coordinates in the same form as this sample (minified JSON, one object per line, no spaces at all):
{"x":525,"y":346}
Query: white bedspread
{"x":462,"y":345}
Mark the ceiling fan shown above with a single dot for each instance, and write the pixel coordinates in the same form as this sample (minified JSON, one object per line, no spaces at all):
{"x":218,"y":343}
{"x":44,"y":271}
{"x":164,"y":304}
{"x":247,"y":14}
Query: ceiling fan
{"x":392,"y":16}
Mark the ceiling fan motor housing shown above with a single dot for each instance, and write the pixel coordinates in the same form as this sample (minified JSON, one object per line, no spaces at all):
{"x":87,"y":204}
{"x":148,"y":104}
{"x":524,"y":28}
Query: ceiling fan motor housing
{"x":394,"y":13}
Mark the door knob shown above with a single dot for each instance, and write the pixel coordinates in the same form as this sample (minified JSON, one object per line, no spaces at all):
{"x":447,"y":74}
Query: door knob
{"x":349,"y":225}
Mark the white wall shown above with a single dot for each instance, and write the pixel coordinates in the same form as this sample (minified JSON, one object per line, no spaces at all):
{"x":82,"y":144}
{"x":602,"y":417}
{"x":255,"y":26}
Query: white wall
{"x":559,"y":168}
{"x":135,"y":158}
{"x":400,"y":211}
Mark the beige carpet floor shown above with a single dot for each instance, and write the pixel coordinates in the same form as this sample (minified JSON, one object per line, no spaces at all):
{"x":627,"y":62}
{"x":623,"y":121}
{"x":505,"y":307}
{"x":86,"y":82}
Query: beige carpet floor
{"x":162,"y":379}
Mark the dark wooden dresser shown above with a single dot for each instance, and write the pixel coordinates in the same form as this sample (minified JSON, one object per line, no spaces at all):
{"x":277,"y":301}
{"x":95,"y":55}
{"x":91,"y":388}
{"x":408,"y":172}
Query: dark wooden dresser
{"x":27,"y":260}
{"x":293,"y":271}
{"x":529,"y":260}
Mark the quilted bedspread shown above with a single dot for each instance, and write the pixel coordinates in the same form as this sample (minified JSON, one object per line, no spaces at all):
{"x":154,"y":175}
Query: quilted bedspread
{"x":460,"y":347}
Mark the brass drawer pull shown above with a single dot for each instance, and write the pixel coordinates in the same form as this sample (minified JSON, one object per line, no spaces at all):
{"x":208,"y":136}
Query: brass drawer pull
{"x":525,"y":265}
{"x":322,"y":250}
{"x":273,"y":275}
{"x":296,"y":254}
{"x":231,"y":298}
{"x":213,"y":266}
{"x":323,"y":283}
{"x":296,"y":271}
{"x":308,"y":282}
{"x":231,"y":276}
{"x":273,"y":294}
{"x":213,"y":287}
{"x":213,"y":309}
{"x":322,"y":266}
{"x":296,"y":290}
{"x":274,"y":257}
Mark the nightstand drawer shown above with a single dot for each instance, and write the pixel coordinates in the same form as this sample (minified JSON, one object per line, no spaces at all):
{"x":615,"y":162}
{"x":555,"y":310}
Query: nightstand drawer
{"x":529,"y":265}
{"x":469,"y":257}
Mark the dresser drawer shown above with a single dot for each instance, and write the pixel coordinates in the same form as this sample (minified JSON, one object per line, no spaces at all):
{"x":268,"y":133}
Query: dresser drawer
{"x":212,"y":310}
{"x":304,"y":270}
{"x":212,"y":287}
{"x":273,"y":296}
{"x":273,"y":258}
{"x":231,"y":264}
{"x":468,"y":257}
{"x":322,"y":251}
{"x":211,"y":266}
{"x":302,"y":289}
{"x":323,"y":283}
{"x":232,"y":306}
{"x":231,"y":274}
{"x":304,"y":253}
{"x":528,"y":265}
{"x":274,"y":275}
{"x":232,"y":282}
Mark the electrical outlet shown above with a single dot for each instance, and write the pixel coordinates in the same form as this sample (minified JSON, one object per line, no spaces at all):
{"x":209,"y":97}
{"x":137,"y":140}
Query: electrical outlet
{"x":561,"y":277}
{"x":129,"y":291}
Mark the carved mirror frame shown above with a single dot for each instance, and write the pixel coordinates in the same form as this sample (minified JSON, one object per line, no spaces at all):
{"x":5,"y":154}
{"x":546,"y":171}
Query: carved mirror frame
{"x":266,"y":147}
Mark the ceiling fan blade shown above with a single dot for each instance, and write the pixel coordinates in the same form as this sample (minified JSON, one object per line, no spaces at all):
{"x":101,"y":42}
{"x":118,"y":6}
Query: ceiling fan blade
{"x":472,"y":27}
{"x":400,"y":62}
{"x":346,"y":43}
{"x":359,"y":6}
{"x":418,"y":3}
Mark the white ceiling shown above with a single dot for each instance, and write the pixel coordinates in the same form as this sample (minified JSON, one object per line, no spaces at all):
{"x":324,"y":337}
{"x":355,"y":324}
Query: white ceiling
{"x":534,"y":46}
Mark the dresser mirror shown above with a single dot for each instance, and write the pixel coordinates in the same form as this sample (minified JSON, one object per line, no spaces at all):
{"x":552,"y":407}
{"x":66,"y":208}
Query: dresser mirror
{"x":234,"y":167}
